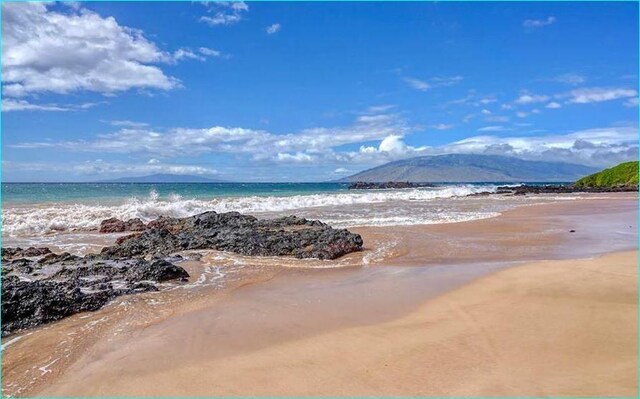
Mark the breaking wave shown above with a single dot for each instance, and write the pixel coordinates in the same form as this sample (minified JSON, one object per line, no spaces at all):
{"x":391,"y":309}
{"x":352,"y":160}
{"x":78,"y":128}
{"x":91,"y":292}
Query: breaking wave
{"x":56,"y":217}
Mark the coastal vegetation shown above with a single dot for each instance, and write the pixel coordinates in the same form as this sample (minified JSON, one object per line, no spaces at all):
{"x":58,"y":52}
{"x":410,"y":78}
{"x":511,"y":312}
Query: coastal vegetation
{"x":622,"y":175}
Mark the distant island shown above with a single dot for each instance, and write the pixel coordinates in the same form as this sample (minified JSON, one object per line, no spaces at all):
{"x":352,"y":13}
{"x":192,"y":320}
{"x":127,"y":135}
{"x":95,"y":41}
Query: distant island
{"x":622,"y":175}
{"x":164,"y":178}
{"x":471,"y":168}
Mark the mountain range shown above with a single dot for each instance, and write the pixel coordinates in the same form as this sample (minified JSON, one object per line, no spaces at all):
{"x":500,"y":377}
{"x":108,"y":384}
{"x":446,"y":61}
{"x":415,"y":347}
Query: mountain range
{"x":472,"y":168}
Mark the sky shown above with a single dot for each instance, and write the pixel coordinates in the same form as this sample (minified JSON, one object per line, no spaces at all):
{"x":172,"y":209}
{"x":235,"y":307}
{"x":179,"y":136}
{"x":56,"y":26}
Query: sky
{"x":286,"y":91}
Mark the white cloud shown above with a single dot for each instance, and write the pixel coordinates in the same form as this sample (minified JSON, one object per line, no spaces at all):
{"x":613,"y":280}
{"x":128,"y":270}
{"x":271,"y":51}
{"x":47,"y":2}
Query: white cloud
{"x":210,"y":52}
{"x":528,"y":98}
{"x":101,"y":168}
{"x":380,"y":108}
{"x":274,"y":28}
{"x":424,"y":85}
{"x":305,"y":146}
{"x":61,"y":52}
{"x":492,"y":129}
{"x":224,"y":12}
{"x":298,"y":157}
{"x":601,"y":147}
{"x":443,"y":126}
{"x":539,"y":23}
{"x":446,"y":81}
{"x":127,"y":123}
{"x":185,"y":53}
{"x":341,"y":171}
{"x":485,"y":112}
{"x":417,"y":84}
{"x":599,"y":94}
{"x":9,"y":105}
{"x":553,"y":105}
{"x":521,"y":114}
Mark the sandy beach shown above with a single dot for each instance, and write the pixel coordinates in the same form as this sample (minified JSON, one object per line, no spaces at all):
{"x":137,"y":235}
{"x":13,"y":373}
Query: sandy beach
{"x":553,"y":328}
{"x":512,"y":305}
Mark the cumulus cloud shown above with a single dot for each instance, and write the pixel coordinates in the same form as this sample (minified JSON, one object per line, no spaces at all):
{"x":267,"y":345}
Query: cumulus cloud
{"x":390,"y":148}
{"x":224,"y":12}
{"x":598,"y":147}
{"x":308,"y":145}
{"x":553,"y":105}
{"x":274,"y":28}
{"x":599,"y":94}
{"x":76,"y":49}
{"x":539,"y":23}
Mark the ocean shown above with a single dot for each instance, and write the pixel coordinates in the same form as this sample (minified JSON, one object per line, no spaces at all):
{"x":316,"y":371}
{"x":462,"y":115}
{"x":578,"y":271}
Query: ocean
{"x":59,"y":213}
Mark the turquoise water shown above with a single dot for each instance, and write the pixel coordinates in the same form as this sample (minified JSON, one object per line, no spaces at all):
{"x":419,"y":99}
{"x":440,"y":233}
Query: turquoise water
{"x":33,"y":193}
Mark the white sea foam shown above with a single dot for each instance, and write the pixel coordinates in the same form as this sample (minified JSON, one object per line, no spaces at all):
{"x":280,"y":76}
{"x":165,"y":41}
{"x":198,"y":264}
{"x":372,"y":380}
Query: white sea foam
{"x":56,"y":217}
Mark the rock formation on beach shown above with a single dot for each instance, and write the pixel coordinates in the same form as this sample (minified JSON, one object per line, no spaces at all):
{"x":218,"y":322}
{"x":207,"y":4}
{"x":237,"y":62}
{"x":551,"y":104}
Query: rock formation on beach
{"x":114,"y":225}
{"x":39,"y":291}
{"x":39,"y":286}
{"x":243,"y":234}
{"x":560,"y":189}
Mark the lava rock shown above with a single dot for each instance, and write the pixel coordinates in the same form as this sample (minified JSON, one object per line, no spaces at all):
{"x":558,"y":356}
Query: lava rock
{"x":10,"y":253}
{"x":235,"y":232}
{"x":560,"y":189}
{"x":39,"y":292}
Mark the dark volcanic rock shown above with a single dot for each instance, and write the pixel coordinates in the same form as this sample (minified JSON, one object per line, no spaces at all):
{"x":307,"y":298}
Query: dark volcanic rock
{"x":38,"y":292}
{"x":361,"y":185}
{"x":115,"y":225}
{"x":560,"y":189}
{"x":243,"y":234}
{"x":10,"y":253}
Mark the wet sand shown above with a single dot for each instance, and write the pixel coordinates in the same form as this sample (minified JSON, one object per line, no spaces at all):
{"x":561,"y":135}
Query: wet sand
{"x":551,"y":328}
{"x":364,"y":330}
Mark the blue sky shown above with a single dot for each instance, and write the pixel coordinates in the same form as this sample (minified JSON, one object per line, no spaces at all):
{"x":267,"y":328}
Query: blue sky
{"x":289,"y":91}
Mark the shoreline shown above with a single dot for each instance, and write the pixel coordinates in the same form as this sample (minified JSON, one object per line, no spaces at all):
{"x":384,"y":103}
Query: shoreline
{"x":516,"y":332}
{"x":383,"y":277}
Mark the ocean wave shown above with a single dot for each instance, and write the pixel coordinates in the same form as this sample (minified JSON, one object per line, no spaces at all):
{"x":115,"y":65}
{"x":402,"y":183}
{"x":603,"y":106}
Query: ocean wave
{"x":57,"y":217}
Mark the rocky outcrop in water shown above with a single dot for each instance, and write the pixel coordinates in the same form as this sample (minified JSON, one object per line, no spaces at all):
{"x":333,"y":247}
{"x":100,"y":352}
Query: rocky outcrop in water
{"x":243,"y":234}
{"x":39,"y":291}
{"x":362,"y":185}
{"x":560,"y":189}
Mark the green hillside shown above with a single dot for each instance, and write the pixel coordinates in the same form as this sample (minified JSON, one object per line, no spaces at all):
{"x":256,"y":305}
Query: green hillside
{"x":625,"y":174}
